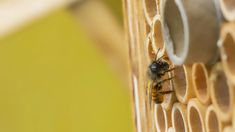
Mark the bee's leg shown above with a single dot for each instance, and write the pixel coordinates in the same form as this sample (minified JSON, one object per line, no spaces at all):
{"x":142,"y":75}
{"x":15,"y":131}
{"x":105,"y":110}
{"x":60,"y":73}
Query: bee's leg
{"x":166,"y":92}
{"x":169,"y":70}
{"x":168,"y":79}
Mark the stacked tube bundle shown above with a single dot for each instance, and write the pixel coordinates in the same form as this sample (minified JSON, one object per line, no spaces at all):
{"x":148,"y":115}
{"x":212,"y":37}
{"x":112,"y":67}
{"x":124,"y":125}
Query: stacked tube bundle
{"x":198,"y":39}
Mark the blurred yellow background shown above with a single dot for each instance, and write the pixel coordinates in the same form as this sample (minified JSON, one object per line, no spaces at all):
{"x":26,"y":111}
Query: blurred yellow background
{"x":54,"y":79}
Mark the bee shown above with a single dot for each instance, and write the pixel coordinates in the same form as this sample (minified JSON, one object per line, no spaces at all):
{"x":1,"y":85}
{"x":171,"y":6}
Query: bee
{"x":156,"y":70}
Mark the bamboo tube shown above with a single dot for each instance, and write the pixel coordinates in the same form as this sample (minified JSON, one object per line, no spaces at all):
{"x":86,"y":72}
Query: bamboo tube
{"x":200,"y":77}
{"x":179,"y":118}
{"x":221,"y":94}
{"x":228,"y":9}
{"x":183,"y":83}
{"x":213,"y":123}
{"x":134,"y":25}
{"x":162,"y":118}
{"x":159,"y":2}
{"x":196,"y":115}
{"x":183,"y":23}
{"x":228,"y":129}
{"x":171,"y":130}
{"x":227,"y":49}
{"x":157,"y":37}
{"x":150,"y":10}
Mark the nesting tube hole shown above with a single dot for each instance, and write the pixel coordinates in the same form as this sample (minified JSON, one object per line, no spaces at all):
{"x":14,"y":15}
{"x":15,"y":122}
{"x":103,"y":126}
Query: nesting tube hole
{"x":200,"y":79}
{"x":157,"y":33}
{"x":147,"y":27}
{"x":160,"y":119}
{"x":151,"y":53}
{"x":195,"y":120}
{"x":178,"y":121}
{"x":180,"y":81}
{"x":229,"y":49}
{"x":213,"y":123}
{"x":150,"y":8}
{"x":221,"y":92}
{"x":174,"y":29}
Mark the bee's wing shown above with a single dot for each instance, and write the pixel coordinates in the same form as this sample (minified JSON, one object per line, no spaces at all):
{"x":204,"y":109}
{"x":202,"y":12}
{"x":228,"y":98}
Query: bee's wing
{"x":151,"y":104}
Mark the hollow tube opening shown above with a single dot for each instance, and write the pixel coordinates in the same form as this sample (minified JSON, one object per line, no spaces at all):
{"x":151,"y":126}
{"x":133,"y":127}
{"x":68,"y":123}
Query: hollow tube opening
{"x":221,"y":92}
{"x":174,"y":28}
{"x":160,"y":119}
{"x":200,"y":81}
{"x":180,"y":81}
{"x":213,"y":123}
{"x":150,"y":51}
{"x":178,"y":121}
{"x":229,"y":48}
{"x":157,"y":35}
{"x":194,"y":120}
{"x":151,"y":8}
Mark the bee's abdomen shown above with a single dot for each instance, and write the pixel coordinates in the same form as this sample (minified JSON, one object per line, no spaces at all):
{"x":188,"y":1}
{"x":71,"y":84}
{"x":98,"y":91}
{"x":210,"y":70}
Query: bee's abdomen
{"x":157,"y":98}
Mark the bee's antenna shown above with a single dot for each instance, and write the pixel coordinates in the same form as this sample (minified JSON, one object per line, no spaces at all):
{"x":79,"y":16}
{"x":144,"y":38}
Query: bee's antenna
{"x":157,"y":53}
{"x":161,"y":57}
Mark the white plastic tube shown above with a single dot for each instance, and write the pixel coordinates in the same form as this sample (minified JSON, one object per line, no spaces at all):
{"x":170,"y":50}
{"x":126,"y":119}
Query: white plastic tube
{"x":191,"y":30}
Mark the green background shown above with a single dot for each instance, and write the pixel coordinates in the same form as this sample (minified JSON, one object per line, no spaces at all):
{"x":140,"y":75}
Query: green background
{"x":53,"y":79}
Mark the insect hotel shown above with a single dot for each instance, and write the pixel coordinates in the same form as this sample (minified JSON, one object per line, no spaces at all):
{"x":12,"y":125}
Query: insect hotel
{"x":196,"y":38}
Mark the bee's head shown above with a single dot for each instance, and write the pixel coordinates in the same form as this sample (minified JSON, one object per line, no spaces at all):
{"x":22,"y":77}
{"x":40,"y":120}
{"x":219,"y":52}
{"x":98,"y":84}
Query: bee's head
{"x":153,"y":70}
{"x":157,"y":67}
{"x":154,"y":67}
